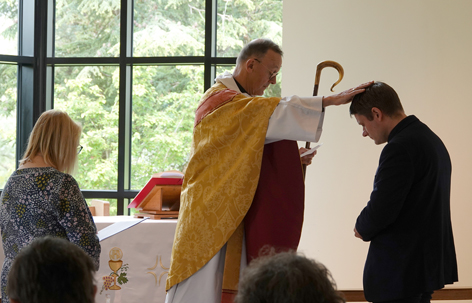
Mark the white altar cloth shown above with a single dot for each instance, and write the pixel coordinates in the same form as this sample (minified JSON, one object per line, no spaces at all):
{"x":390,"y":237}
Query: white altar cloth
{"x":144,"y":251}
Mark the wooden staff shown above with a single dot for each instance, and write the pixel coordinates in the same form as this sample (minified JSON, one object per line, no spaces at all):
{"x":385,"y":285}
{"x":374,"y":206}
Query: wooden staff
{"x":319,"y":67}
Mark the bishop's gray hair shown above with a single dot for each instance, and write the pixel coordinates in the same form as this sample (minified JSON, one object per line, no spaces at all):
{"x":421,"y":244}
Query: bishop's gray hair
{"x":258,"y":48}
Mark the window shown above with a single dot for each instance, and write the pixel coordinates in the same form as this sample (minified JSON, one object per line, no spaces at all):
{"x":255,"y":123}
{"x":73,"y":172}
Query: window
{"x":164,"y":102}
{"x":132,"y":73}
{"x":89,"y":94}
{"x":9,"y":27}
{"x":8,"y":84}
{"x":8,"y":88}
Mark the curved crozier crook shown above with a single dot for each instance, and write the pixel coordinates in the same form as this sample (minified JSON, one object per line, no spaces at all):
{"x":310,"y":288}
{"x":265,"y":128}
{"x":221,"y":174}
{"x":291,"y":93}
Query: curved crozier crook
{"x":319,"y":67}
{"x":324,"y":64}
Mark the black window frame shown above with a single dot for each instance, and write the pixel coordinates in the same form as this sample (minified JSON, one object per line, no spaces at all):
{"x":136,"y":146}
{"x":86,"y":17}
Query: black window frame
{"x":36,"y":63}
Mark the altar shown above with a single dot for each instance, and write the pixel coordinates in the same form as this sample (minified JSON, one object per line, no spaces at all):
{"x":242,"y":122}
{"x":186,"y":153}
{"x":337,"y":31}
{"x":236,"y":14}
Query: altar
{"x":134,"y":263}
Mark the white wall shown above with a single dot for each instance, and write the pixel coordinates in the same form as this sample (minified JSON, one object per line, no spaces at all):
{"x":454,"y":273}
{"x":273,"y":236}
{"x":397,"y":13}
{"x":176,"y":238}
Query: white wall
{"x":423,"y":49}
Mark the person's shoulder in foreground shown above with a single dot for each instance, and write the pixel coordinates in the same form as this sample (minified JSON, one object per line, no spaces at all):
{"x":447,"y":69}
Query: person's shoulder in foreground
{"x":52,"y":270}
{"x":287,"y":278}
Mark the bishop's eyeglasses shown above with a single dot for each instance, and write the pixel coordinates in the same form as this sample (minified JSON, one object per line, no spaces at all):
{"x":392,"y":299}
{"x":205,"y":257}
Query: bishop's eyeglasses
{"x":272,"y":75}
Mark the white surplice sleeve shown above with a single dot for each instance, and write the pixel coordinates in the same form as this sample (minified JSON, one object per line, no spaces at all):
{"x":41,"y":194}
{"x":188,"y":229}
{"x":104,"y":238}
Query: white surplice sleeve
{"x":296,"y":118}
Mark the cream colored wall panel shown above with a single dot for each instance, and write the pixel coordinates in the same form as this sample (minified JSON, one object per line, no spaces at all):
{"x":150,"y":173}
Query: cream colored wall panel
{"x":422,"y":49}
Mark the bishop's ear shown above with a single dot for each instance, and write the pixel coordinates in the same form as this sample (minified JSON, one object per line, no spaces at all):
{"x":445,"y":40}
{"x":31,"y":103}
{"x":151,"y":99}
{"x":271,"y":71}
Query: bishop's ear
{"x":250,"y":64}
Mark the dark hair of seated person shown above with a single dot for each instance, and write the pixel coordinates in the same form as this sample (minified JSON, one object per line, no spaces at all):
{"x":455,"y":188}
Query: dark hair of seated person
{"x":287,"y":278}
{"x":52,"y":270}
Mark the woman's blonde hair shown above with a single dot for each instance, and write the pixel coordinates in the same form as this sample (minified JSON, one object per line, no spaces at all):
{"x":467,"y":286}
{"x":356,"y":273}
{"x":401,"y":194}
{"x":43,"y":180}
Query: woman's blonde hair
{"x":56,"y":137}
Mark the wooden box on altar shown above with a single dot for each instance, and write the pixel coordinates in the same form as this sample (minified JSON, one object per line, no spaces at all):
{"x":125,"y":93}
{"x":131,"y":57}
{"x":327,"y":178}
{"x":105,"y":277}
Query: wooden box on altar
{"x":160,"y":197}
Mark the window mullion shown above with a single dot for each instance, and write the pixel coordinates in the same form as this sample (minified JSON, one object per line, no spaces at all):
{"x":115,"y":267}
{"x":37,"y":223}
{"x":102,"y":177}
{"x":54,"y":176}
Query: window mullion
{"x":124,"y":121}
{"x":210,"y":41}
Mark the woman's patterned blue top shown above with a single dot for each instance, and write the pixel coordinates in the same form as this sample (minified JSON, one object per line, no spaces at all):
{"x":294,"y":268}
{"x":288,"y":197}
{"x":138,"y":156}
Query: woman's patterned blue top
{"x":43,"y":201}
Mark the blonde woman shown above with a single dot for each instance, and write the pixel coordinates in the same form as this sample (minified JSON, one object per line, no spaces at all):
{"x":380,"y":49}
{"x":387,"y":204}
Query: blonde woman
{"x":41,"y":198}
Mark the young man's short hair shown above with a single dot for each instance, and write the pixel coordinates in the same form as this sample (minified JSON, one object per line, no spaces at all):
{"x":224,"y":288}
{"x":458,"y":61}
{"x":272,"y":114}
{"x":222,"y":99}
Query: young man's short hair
{"x":379,"y":95}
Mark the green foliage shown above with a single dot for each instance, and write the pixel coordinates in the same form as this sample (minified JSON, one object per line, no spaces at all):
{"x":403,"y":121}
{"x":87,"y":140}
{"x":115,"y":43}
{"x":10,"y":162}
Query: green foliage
{"x":8,"y":81}
{"x":87,"y":28}
{"x":9,"y":10}
{"x":164,"y":101}
{"x":169,"y":28}
{"x":90,"y":96}
{"x":241,"y":21}
{"x":8,"y":91}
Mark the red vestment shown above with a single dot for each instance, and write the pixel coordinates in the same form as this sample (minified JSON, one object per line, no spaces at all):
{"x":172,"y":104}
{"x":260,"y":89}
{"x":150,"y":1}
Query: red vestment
{"x":275,"y":218}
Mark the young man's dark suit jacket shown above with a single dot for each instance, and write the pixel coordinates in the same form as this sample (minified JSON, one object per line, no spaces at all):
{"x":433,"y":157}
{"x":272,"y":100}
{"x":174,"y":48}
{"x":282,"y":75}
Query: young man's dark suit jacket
{"x":407,"y":219}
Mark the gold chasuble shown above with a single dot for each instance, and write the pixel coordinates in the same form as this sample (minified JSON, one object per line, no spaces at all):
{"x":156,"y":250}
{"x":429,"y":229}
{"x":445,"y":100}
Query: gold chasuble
{"x":220,"y":181}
